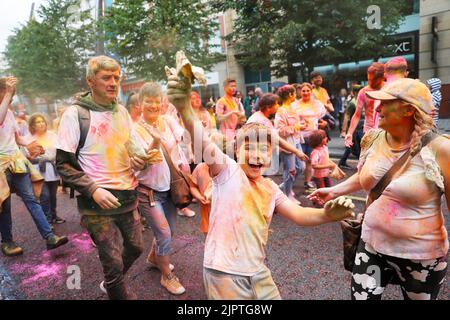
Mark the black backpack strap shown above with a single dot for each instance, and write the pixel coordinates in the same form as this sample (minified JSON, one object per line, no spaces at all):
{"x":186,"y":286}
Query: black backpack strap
{"x":84,"y":120}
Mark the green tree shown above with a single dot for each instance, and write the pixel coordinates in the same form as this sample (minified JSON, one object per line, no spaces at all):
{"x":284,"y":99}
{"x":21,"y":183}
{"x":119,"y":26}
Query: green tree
{"x":49,"y":56}
{"x":147,"y":34}
{"x":296,"y":35}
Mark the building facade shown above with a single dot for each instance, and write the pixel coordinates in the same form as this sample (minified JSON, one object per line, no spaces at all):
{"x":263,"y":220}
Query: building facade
{"x":434,"y":47}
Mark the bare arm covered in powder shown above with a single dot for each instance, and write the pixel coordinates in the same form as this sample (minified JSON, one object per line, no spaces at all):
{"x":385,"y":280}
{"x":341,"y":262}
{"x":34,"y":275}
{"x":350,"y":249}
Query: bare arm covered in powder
{"x":178,"y":92}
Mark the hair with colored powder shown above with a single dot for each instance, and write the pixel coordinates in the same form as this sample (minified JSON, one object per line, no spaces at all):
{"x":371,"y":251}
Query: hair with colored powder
{"x":304,"y":84}
{"x":227,"y":81}
{"x":267,"y":101}
{"x":423,"y":124}
{"x":285,"y":91}
{"x":32,"y":122}
{"x":396,"y":65}
{"x":253,"y":132}
{"x":376,"y":69}
{"x":99,"y":63}
{"x":316,"y":138}
{"x":314,"y":74}
{"x":133,"y":100}
{"x":150,"y":89}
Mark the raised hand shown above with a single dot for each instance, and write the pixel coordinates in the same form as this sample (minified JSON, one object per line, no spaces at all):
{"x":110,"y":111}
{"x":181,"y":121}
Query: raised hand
{"x":339,"y":209}
{"x":11,"y":84}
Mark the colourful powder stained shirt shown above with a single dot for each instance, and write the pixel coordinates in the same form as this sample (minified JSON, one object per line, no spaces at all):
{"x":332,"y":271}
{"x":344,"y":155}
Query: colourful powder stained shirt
{"x":156,"y":176}
{"x":205,"y":118}
{"x":311,"y":112}
{"x":48,"y":141}
{"x":259,"y":117}
{"x":406,"y":221}
{"x":104,"y":157}
{"x":285,"y":120}
{"x":241,"y":213}
{"x":366,"y":106}
{"x":321,"y":94}
{"x":202,"y":179}
{"x":8,"y":129}
{"x":319,"y":156}
{"x":228,"y":127}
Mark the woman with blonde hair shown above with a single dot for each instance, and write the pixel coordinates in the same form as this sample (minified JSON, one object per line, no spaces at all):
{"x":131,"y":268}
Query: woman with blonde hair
{"x":403,"y":237}
{"x":46,"y":164}
{"x":158,"y":131}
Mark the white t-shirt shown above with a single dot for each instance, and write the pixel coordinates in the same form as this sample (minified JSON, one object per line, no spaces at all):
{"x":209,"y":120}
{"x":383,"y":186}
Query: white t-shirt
{"x":156,"y":176}
{"x":48,"y":141}
{"x":241,"y":213}
{"x":8,"y":129}
{"x":406,"y":221}
{"x":104,"y":157}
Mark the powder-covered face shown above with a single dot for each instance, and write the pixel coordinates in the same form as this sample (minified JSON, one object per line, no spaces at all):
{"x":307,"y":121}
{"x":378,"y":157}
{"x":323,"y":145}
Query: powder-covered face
{"x":40,"y":126}
{"x":231,"y":88}
{"x":151,"y":108}
{"x":105,"y":85}
{"x":196,"y":102}
{"x":317,"y":81}
{"x":306,"y":93}
{"x":254,"y":157}
{"x":391,"y":113}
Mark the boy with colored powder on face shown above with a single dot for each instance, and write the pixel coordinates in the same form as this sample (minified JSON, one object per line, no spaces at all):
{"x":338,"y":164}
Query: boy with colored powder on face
{"x":242,"y":206}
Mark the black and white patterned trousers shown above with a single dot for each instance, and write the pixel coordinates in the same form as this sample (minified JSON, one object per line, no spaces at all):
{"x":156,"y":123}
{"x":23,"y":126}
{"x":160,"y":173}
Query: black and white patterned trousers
{"x":418,"y":279}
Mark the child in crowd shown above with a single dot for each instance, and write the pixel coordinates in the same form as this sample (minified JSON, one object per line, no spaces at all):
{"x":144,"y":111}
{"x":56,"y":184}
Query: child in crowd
{"x":320,"y":160}
{"x":242,"y":206}
{"x":201,"y":189}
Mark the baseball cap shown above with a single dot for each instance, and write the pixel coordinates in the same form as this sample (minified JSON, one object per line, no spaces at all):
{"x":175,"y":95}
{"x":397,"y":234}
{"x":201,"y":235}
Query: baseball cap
{"x":409,"y":90}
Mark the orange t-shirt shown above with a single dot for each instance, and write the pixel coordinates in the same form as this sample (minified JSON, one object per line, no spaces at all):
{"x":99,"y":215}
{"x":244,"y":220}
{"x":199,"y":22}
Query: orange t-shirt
{"x":203,"y":181}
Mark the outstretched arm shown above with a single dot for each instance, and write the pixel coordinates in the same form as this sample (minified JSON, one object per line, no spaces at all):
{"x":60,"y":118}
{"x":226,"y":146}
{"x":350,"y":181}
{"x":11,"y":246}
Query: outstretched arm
{"x":348,"y":186}
{"x":178,"y":92}
{"x":334,"y":210}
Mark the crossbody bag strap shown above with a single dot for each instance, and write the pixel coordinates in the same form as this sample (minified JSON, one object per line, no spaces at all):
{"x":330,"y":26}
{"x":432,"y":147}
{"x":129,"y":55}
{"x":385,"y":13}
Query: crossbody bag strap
{"x":401,"y":164}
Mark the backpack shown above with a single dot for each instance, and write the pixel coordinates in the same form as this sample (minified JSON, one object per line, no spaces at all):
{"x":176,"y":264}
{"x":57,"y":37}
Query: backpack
{"x":84,"y":120}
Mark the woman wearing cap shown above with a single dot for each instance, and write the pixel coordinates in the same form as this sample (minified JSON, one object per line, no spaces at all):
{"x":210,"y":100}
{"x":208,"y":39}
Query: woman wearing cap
{"x":403,"y":231}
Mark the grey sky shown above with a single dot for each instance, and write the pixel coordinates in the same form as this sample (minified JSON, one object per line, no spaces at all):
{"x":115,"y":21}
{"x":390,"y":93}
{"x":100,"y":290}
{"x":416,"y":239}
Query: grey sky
{"x":13,"y":14}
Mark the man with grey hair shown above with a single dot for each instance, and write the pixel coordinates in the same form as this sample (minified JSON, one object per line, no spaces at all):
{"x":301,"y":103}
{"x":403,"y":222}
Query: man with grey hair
{"x":258,"y":93}
{"x":92,"y":157}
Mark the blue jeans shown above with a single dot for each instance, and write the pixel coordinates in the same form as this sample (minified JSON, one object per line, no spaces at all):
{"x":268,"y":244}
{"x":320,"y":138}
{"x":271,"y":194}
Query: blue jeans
{"x":288,"y":165}
{"x":21,"y":182}
{"x":48,"y":199}
{"x":289,"y":162}
{"x":160,"y":217}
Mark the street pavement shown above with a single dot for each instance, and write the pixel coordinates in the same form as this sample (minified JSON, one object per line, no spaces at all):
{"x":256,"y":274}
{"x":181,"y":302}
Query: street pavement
{"x":306,"y":262}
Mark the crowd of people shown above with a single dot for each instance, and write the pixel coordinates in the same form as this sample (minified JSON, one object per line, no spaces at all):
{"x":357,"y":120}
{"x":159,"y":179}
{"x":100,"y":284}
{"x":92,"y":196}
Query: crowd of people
{"x":125,"y":163}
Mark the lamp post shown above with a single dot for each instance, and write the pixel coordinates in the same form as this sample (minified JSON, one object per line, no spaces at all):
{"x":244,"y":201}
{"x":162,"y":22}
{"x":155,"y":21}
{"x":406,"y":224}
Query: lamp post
{"x":100,"y":47}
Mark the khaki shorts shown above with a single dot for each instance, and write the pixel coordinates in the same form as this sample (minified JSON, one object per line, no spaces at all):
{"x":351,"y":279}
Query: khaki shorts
{"x":226,"y":286}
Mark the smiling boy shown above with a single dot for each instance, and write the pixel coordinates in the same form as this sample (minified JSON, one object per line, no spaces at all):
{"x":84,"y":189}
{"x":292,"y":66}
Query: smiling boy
{"x":243,"y":203}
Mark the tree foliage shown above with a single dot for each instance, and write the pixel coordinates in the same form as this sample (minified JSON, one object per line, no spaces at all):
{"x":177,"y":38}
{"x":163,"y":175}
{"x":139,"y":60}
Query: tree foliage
{"x":308,"y":32}
{"x":147,"y":34}
{"x":49,"y":56}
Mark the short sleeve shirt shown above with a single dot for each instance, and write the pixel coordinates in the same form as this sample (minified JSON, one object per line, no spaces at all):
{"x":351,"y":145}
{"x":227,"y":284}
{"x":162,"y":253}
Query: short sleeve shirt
{"x":104,"y":157}
{"x":241,"y":213}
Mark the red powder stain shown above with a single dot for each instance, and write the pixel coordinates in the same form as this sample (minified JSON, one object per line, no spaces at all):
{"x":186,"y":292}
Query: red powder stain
{"x":93,"y":130}
{"x":103,"y":129}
